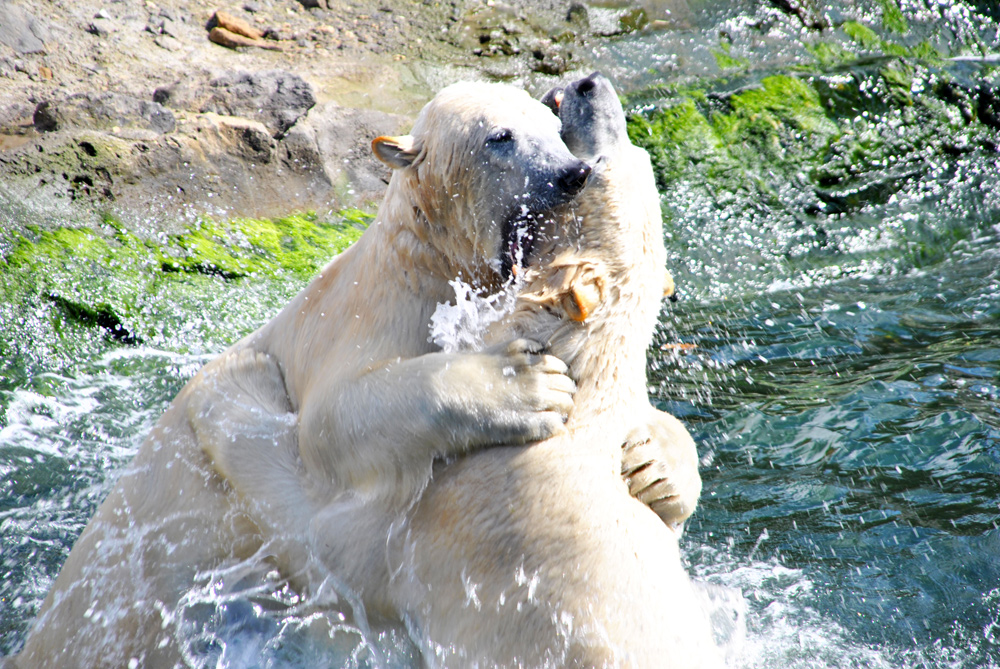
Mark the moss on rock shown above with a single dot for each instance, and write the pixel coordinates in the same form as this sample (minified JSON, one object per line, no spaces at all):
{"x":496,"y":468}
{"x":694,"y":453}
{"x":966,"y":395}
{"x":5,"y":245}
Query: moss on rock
{"x":799,"y":168}
{"x":729,"y":140}
{"x":251,"y":247}
{"x":66,"y":294}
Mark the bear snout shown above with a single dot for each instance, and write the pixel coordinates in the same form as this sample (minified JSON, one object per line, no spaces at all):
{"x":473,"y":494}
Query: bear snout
{"x":572,"y":179}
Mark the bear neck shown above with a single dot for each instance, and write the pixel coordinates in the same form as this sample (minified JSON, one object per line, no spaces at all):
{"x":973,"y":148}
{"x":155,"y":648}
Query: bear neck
{"x":439,"y":229}
{"x":389,"y":281}
{"x":607,"y":352}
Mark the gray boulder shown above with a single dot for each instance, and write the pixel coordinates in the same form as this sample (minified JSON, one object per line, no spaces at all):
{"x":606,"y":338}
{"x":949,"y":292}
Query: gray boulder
{"x":104,"y":111}
{"x":276,"y":98}
{"x":20,"y":30}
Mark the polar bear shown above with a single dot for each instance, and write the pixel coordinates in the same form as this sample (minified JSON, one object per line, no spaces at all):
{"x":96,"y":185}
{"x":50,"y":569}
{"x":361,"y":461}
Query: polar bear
{"x":308,"y":436}
{"x":538,"y":556}
{"x":304,"y":442}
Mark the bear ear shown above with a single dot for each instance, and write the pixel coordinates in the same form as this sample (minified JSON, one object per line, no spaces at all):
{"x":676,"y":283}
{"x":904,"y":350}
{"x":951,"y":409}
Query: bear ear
{"x":669,"y":290}
{"x":553,"y":99}
{"x":580,"y":299}
{"x":396,"y":152}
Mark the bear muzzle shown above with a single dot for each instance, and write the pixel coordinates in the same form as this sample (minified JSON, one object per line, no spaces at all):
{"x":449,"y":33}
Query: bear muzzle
{"x":572,"y":179}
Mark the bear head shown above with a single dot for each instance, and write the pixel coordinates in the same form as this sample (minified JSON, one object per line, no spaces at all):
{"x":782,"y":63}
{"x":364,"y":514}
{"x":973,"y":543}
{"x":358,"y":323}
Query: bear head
{"x":483,"y":165}
{"x":593,"y":121}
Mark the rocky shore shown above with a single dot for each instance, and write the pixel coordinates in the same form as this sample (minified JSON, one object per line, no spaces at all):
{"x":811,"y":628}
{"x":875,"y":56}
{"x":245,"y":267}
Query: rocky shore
{"x":136,"y":139}
{"x":160,"y":111}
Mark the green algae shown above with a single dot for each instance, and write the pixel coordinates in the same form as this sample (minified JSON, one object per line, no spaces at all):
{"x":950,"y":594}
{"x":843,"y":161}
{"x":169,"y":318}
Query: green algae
{"x":869,"y":41}
{"x":680,"y":138}
{"x":730,"y":141}
{"x":764,"y":117}
{"x":816,"y":170}
{"x":67,"y":294}
{"x":825,"y":128}
{"x":892,"y":18}
{"x":249,"y":247}
{"x":862,"y":35}
{"x":726,"y":61}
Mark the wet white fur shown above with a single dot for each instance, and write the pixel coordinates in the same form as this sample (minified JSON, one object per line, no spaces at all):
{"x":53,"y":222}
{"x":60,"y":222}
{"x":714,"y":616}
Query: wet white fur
{"x":538,"y":556}
{"x":304,"y":440}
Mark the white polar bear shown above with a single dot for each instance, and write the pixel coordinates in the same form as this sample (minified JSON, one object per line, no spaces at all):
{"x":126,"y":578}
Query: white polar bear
{"x":305,"y":439}
{"x":537,"y":556}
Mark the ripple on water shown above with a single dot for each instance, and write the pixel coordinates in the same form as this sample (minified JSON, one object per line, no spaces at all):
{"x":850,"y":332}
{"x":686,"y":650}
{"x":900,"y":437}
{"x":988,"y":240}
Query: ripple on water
{"x":852,"y":443}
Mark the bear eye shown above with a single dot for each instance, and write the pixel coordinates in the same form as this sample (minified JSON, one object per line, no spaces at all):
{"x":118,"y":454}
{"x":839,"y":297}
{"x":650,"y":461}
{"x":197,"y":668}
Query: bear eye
{"x":501,"y":136}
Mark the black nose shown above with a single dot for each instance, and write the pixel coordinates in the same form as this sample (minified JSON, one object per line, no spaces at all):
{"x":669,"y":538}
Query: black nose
{"x":572,"y":180}
{"x":584,"y":86}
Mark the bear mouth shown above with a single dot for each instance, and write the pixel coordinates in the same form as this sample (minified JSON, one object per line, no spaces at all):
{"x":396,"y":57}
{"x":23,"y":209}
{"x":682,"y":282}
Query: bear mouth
{"x":519,"y":235}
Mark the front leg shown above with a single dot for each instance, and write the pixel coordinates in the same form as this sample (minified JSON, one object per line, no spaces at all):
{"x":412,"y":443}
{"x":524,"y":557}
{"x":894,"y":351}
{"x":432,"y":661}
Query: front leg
{"x":389,"y":423}
{"x":660,"y":465}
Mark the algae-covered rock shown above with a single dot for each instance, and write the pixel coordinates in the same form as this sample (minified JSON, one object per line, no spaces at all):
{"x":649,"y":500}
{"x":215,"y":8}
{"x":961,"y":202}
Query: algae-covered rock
{"x":825,"y":161}
{"x":67,"y":294}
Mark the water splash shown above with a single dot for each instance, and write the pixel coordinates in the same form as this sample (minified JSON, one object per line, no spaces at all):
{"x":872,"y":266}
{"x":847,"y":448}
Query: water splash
{"x":461,"y":326}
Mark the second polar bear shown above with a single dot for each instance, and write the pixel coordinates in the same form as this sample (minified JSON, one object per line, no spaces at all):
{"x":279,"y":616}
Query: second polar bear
{"x":538,"y":556}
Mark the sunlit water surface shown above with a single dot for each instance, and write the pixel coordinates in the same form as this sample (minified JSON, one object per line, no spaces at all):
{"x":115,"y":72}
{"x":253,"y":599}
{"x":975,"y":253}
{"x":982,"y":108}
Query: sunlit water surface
{"x":846,"y":403}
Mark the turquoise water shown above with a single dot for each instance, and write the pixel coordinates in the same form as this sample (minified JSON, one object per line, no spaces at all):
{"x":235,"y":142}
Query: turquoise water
{"x":843,"y":388}
{"x":850,"y":441}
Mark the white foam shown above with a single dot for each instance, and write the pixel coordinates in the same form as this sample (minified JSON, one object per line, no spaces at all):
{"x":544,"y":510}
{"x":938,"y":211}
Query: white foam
{"x":462,"y":325}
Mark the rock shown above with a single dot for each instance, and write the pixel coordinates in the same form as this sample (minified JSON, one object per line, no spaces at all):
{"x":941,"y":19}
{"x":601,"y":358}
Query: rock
{"x":167,"y":42}
{"x":989,"y":106}
{"x":300,"y":150}
{"x":272,"y":33}
{"x":20,"y":30}
{"x":577,"y":14}
{"x":276,"y":98}
{"x":241,"y":137}
{"x":171,"y":28}
{"x":231,"y":40}
{"x":107,"y":110}
{"x":807,"y":11}
{"x":549,"y":58}
{"x":102,"y":27}
{"x":236,"y":25}
{"x":343,"y":138}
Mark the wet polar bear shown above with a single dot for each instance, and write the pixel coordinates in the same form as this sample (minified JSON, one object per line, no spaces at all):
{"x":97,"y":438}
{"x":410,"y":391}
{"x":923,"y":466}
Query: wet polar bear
{"x":537,"y":556}
{"x":307,"y":437}
{"x":301,"y":444}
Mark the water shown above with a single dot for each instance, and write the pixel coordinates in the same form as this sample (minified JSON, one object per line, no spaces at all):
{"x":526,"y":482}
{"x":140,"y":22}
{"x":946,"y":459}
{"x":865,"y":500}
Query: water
{"x":850,"y":437}
{"x":843,"y":387}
